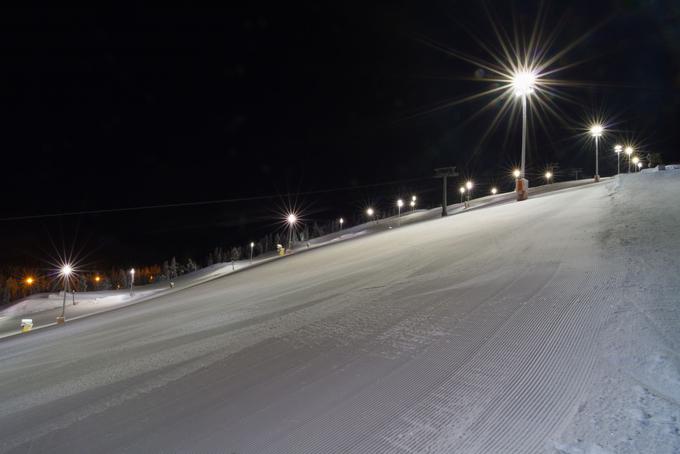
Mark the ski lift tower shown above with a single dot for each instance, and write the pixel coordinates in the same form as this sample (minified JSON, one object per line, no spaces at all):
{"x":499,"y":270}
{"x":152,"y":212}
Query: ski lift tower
{"x":444,"y":173}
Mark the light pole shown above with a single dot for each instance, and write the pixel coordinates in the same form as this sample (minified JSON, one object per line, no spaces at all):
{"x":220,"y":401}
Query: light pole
{"x":629,"y":152}
{"x":468,"y":186}
{"x":639,"y":165}
{"x":341,"y":221}
{"x":636,"y":161}
{"x":370,"y":213}
{"x":618,"y":149}
{"x":548,"y":176}
{"x":252,"y":247}
{"x":413,"y":205}
{"x":132,"y":281}
{"x":462,"y":191}
{"x":523,"y":83}
{"x":292,"y":220}
{"x":400,"y":203}
{"x":65,"y":273}
{"x":596,"y":131}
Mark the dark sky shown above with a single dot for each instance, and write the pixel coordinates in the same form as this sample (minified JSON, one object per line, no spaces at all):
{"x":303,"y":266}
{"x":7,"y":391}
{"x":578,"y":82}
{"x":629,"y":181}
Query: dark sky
{"x":122,"y":108}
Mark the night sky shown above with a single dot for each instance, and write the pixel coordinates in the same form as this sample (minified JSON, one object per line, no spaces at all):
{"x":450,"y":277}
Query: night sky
{"x":122,"y":108}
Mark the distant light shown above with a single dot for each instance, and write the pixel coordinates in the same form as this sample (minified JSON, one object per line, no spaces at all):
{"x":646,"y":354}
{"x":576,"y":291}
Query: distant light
{"x":413,"y":198}
{"x":370,"y":211}
{"x":523,"y":82}
{"x":468,"y":185}
{"x":516,"y":173}
{"x":66,"y":270}
{"x":494,"y":191}
{"x":97,"y":278}
{"x":639,"y":164}
{"x":636,"y":160}
{"x":462,"y":189}
{"x":29,"y":280}
{"x":548,"y":175}
{"x":400,"y":203}
{"x":629,"y":151}
{"x":342,"y":221}
{"x":596,"y":130}
{"x":618,"y":148}
{"x":252,"y":245}
{"x":291,"y":218}
{"x":413,"y":203}
{"x":132,"y":271}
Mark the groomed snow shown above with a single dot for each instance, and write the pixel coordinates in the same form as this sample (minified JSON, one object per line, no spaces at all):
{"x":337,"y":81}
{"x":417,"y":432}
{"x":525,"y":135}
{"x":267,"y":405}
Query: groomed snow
{"x":543,"y":326}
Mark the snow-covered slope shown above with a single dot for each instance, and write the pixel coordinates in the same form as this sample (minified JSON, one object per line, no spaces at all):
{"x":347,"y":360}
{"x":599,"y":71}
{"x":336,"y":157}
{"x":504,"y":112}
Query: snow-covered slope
{"x":540,"y":326}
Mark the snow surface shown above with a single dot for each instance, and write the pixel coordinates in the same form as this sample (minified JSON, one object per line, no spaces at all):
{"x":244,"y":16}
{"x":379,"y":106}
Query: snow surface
{"x":549,"y":325}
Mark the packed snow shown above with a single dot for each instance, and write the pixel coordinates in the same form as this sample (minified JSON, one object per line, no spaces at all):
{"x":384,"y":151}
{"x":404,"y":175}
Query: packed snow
{"x":549,"y":325}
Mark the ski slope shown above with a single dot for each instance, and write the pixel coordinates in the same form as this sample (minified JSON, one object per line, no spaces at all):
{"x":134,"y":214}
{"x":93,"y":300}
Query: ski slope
{"x":549,"y":325}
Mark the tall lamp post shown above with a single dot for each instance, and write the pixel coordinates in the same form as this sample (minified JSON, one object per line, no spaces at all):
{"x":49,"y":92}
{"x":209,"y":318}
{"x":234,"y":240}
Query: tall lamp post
{"x":252,"y":246}
{"x":629,"y":152}
{"x":132,"y":281}
{"x":462,"y":191}
{"x":523,"y":83}
{"x":400,"y":203}
{"x":341,"y":221}
{"x":468,"y":186}
{"x":596,"y":131}
{"x":65,"y":273}
{"x":618,"y":149}
{"x":636,"y":161}
{"x":548,"y":176}
{"x":292,"y":220}
{"x":370,"y":213}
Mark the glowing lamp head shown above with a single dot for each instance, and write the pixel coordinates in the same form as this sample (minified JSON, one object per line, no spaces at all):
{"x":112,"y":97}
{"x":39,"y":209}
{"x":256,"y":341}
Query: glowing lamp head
{"x":523,"y":83}
{"x":618,"y":148}
{"x":639,"y":164}
{"x":252,"y":244}
{"x":468,"y":185}
{"x":291,"y":218}
{"x":413,"y":198}
{"x":97,"y":278}
{"x":342,"y":221}
{"x":66,"y":270}
{"x":596,"y":130}
{"x":636,"y":160}
{"x":516,"y":173}
{"x":629,"y":151}
{"x":29,"y":280}
{"x":132,"y":271}
{"x":462,"y":189}
{"x":413,"y":203}
{"x":548,"y":175}
{"x":400,"y":203}
{"x":494,"y":191}
{"x":370,"y":211}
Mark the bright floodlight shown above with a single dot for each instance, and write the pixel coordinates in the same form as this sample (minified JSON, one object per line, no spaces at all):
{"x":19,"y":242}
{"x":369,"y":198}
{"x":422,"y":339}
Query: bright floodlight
{"x":400,"y":203}
{"x":468,"y":185}
{"x":639,"y":164}
{"x":618,"y":148}
{"x":413,"y":198}
{"x":523,"y":82}
{"x":636,"y":160}
{"x":548,"y":175}
{"x":370,"y":211}
{"x":29,"y":280}
{"x":516,"y":173}
{"x":629,"y":151}
{"x":66,"y":270}
{"x":494,"y":191}
{"x":462,"y":189}
{"x":413,"y":203}
{"x":596,"y":130}
{"x":292,"y":219}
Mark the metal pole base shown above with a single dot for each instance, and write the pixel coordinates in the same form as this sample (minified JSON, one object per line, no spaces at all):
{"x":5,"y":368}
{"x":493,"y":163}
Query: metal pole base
{"x":60,"y":320}
{"x":596,"y":178}
{"x":522,"y":189}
